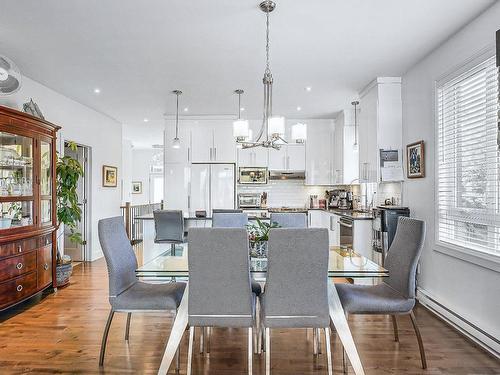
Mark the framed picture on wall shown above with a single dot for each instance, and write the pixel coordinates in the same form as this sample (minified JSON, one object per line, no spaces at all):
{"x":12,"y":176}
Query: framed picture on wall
{"x":109,"y":176}
{"x":136,"y":187}
{"x":415,"y":160}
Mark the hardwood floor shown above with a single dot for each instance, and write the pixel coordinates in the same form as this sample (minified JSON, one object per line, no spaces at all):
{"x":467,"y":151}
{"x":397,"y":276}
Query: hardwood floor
{"x":64,"y":331}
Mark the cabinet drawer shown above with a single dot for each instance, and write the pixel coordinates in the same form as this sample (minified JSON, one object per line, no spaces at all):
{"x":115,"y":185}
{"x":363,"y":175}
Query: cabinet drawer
{"x":44,"y":261}
{"x":19,"y":247}
{"x":16,"y":266}
{"x":17,"y":289}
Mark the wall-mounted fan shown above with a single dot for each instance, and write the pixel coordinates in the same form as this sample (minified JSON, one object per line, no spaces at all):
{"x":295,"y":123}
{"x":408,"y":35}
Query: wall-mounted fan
{"x":10,"y":77}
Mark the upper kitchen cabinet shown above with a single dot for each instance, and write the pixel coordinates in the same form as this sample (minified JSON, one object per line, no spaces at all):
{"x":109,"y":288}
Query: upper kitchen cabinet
{"x":290,"y":157}
{"x":181,"y":154}
{"x":319,"y":155}
{"x":380,"y":124}
{"x":212,"y":141}
{"x":345,"y":157}
{"x":253,"y":157}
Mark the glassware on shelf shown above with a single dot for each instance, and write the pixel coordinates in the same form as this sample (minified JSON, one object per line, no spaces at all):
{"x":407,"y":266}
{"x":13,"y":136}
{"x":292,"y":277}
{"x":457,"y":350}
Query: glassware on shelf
{"x":16,"y":214}
{"x":16,"y":165}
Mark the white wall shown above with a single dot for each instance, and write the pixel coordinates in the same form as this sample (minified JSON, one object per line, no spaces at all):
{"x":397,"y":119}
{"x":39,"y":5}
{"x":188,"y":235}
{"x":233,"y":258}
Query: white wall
{"x":127,"y":155}
{"x":88,"y":127}
{"x":465,"y":288}
{"x":141,"y":167}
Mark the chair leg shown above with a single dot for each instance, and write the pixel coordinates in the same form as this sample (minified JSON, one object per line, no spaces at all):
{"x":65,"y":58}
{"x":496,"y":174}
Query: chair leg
{"x":202,"y":340}
{"x":318,"y":338}
{"x":105,"y":337}
{"x":207,"y":338}
{"x":395,"y":326}
{"x":344,"y":355}
{"x":172,"y":249}
{"x":419,"y":339}
{"x":127,"y":327}
{"x":177,"y":352}
{"x":315,"y":341}
{"x":190,"y":350}
{"x":250,"y":350}
{"x":256,"y":349}
{"x":268,"y":351}
{"x":328,"y":351}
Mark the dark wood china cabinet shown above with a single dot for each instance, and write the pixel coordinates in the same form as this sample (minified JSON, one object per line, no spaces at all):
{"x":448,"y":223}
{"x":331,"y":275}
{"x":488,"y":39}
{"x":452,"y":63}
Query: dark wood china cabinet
{"x":27,"y":206}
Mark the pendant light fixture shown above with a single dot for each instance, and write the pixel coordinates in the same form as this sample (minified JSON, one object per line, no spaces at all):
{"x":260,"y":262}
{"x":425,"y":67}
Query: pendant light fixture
{"x":273,"y":127}
{"x":355,"y":145}
{"x":240,"y":126}
{"x":176,"y":143}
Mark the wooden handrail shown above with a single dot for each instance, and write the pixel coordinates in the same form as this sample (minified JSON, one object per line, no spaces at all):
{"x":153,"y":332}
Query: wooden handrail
{"x":130,"y":213}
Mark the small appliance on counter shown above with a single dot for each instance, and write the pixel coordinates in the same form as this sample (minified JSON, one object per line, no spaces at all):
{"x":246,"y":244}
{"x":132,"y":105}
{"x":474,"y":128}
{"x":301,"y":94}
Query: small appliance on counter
{"x":313,"y":201}
{"x":384,"y":224}
{"x":340,"y":198}
{"x":252,"y":175}
{"x":250,"y":200}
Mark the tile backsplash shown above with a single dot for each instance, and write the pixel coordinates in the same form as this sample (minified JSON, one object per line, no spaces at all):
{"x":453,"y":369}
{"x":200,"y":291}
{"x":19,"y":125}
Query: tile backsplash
{"x":288,"y":193}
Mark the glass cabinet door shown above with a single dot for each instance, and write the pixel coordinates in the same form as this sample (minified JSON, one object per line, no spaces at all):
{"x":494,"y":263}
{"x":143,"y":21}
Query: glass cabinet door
{"x":16,"y":165}
{"x":16,"y":214}
{"x":45,"y":182}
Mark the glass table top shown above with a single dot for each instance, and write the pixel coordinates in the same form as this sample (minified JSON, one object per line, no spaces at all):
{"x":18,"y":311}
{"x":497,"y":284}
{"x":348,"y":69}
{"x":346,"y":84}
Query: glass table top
{"x":342,"y":263}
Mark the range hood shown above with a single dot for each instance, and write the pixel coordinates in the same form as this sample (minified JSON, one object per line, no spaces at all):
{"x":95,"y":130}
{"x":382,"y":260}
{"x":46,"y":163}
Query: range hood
{"x":287,"y":175}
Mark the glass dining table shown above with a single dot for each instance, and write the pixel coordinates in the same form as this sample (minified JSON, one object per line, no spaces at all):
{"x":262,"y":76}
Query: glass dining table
{"x":343,"y":263}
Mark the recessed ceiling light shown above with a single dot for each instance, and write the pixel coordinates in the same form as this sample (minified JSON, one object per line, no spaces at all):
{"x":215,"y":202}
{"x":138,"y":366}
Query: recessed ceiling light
{"x":97,"y":90}
{"x":242,"y":108}
{"x":146,"y":119}
{"x":308,"y":88}
{"x":186,"y":109}
{"x":299,"y":108}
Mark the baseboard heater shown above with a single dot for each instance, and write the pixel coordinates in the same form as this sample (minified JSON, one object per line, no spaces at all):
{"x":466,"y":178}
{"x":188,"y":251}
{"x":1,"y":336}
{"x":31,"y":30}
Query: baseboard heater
{"x":482,"y":338}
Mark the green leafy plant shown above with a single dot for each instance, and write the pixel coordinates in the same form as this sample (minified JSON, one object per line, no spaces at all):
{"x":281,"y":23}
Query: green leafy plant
{"x":69,"y":213}
{"x":259,"y":231}
{"x":15,"y":210}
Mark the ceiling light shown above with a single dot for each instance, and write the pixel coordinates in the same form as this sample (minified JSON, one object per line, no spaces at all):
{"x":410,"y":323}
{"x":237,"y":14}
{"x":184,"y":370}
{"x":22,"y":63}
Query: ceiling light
{"x":273,"y":127}
{"x":186,"y":109}
{"x":146,"y":119}
{"x":242,"y":109}
{"x":308,"y":88}
{"x":97,"y":91}
{"x":240,"y":126}
{"x":176,"y":143}
{"x":299,"y":108}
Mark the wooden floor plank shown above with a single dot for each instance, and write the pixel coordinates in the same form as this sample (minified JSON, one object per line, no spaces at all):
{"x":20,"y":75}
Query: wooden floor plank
{"x":61,"y":335}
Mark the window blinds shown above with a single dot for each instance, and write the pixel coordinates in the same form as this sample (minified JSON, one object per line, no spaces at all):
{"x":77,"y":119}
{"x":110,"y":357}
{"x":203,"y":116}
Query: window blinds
{"x":468,"y":171}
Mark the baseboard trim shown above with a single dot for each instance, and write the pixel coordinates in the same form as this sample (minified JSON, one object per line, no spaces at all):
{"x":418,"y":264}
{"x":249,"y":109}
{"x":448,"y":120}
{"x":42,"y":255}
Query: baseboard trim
{"x":486,"y":341}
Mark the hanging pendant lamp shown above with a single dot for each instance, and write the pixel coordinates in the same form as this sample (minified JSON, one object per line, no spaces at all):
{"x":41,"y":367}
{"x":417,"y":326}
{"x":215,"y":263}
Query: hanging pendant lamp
{"x":176,"y":142}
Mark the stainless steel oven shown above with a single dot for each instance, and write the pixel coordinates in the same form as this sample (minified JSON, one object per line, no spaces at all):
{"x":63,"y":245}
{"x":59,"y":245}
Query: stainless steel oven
{"x":346,"y":231}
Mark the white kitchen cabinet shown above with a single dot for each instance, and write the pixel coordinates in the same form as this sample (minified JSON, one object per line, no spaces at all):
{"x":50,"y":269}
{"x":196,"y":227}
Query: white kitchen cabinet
{"x":212,"y":142}
{"x":315,"y":218}
{"x":288,"y":158}
{"x":253,"y":157}
{"x":345,"y":158}
{"x":380,"y":124}
{"x":176,"y":186}
{"x":334,"y":230}
{"x":319,"y":153}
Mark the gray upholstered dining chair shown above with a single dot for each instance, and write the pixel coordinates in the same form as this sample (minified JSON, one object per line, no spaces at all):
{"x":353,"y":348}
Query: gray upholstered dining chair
{"x":169,"y":227}
{"x":126,"y":292}
{"x":396,"y":294}
{"x":220,"y":292}
{"x":289,"y":219}
{"x":229,"y":220}
{"x":290,"y":301}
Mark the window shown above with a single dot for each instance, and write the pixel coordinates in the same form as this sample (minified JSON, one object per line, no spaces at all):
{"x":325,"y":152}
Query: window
{"x":468,"y":169}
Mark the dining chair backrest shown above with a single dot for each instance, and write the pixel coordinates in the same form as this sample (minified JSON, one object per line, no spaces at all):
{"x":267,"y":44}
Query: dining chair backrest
{"x":403,"y":255}
{"x":219,"y":277}
{"x":289,"y":219}
{"x":229,"y":220}
{"x":297,"y":273}
{"x":169,"y":225}
{"x":120,"y":258}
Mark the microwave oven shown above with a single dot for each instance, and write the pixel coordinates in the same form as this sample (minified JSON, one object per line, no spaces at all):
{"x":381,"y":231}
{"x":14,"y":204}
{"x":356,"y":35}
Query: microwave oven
{"x":249,"y":200}
{"x":252,"y":175}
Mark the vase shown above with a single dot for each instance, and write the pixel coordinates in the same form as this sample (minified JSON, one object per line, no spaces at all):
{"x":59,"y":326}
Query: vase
{"x":258,"y":249}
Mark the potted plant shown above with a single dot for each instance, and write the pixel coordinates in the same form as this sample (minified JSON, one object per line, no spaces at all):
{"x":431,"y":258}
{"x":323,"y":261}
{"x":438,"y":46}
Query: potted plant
{"x":258,"y":234}
{"x":69,"y":213}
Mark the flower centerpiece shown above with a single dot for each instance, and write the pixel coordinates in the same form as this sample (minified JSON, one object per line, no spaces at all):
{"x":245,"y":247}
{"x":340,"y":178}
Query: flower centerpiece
{"x":258,"y":234}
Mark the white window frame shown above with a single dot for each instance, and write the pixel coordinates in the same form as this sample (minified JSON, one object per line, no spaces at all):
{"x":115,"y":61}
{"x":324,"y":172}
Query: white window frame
{"x":483,"y":259}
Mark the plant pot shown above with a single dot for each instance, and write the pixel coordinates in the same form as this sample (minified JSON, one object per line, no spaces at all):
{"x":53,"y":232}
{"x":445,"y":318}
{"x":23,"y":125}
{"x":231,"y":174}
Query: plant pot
{"x":258,"y":249}
{"x":63,"y":272}
{"x":5,"y":223}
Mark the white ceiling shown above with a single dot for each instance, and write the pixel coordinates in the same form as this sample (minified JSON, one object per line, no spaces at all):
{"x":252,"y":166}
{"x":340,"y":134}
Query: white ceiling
{"x":138,"y":52}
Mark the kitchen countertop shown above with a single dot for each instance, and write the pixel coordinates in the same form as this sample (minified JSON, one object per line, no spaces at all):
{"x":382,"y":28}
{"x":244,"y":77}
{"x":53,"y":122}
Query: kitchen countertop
{"x":190,"y":218}
{"x":352,"y":214}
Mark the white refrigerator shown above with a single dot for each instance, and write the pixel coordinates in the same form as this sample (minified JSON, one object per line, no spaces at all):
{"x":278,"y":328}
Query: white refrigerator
{"x":212,"y":185}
